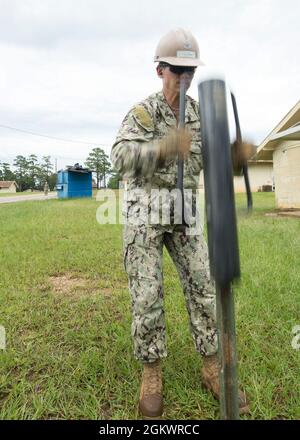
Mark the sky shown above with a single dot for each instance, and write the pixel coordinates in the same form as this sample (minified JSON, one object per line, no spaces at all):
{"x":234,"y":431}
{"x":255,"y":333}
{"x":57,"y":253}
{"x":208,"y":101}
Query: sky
{"x":71,"y":69}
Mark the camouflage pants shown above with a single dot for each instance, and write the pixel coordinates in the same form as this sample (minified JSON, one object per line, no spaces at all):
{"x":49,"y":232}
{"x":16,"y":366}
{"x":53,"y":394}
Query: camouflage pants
{"x":143,"y":253}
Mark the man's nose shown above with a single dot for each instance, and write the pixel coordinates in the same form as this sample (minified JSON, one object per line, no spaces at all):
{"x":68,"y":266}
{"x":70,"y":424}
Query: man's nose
{"x":185,"y":77}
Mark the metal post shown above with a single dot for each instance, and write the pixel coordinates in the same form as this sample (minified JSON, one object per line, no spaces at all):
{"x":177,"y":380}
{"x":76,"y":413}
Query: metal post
{"x":180,"y":168}
{"x":227,"y":353}
{"x":222,"y":232}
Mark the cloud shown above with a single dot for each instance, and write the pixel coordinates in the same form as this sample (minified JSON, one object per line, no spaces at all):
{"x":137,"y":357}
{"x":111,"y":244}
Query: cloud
{"x":73,"y":69}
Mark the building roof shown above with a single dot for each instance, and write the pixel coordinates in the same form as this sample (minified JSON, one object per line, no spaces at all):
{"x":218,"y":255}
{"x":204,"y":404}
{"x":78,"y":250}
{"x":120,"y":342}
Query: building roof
{"x":7,"y":183}
{"x":288,"y":128}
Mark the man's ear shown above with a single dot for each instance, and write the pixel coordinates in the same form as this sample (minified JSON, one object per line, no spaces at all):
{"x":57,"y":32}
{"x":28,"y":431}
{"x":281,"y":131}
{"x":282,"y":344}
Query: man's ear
{"x":159,"y":71}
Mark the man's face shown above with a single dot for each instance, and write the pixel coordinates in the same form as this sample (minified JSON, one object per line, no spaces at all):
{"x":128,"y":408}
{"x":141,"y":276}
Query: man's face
{"x":171,"y":80}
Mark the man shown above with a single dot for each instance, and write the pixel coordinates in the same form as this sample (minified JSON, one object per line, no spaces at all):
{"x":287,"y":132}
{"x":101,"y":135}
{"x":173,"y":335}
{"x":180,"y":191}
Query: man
{"x":145,"y":153}
{"x":46,"y":188}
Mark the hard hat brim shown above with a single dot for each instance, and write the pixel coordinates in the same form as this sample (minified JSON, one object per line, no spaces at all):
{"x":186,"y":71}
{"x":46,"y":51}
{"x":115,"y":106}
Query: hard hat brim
{"x":174,"y":61}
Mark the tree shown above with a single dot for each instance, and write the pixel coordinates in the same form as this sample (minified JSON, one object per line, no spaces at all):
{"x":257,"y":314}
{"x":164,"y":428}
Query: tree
{"x":98,"y":162}
{"x":114,"y":180}
{"x":5,"y":172}
{"x":33,"y":170}
{"x":106,"y":168}
{"x":21,"y":172}
{"x":52,"y":181}
{"x":44,"y":172}
{"x":46,"y":167}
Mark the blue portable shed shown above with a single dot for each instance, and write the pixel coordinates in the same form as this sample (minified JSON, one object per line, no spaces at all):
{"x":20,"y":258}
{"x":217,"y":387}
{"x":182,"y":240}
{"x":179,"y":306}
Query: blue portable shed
{"x":73,"y":182}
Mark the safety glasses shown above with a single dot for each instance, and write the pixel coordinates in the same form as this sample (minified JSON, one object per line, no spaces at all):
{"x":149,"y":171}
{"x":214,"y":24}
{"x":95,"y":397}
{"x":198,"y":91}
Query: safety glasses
{"x":178,"y":70}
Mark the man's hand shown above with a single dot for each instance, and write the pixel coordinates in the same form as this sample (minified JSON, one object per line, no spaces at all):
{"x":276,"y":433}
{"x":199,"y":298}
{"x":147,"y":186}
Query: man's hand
{"x":178,"y":141}
{"x":241,"y":153}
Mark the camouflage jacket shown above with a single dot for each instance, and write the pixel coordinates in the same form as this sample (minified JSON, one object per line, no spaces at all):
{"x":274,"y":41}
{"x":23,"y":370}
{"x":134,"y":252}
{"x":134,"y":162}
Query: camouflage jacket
{"x":134,"y":153}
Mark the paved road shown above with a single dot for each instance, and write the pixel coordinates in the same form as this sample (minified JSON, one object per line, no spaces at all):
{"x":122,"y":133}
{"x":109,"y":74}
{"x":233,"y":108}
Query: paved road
{"x":14,"y":199}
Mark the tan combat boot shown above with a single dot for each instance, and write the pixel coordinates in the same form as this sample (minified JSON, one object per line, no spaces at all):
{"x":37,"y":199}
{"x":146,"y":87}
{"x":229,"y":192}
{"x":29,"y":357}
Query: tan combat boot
{"x":151,"y":398}
{"x":210,"y":380}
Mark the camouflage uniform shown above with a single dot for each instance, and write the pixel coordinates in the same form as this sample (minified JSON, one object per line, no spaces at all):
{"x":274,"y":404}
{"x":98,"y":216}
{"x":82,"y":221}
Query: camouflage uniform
{"x":135,"y":156}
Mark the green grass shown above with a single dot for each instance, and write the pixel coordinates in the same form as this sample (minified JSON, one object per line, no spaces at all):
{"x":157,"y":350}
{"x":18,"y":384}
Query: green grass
{"x":66,"y":310}
{"x":24,"y":193}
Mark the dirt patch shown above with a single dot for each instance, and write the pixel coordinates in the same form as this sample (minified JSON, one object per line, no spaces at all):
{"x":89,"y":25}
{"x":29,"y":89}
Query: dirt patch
{"x":292,"y":213}
{"x":72,"y":285}
{"x":3,"y":397}
{"x":106,"y":411}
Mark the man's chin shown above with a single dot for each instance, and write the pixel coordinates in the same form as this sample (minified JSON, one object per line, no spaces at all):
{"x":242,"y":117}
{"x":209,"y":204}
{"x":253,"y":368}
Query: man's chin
{"x":187,"y":86}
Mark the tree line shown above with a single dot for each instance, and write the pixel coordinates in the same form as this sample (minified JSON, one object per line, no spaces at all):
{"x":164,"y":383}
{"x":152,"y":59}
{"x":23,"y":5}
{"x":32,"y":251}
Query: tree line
{"x":30,"y":173}
{"x":98,"y":161}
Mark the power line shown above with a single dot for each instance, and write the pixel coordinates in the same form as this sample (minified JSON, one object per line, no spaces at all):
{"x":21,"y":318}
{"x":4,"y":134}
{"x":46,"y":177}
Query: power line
{"x":53,"y":137}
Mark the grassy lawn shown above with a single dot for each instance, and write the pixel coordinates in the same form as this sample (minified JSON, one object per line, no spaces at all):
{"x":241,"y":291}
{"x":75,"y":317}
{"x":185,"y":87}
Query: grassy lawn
{"x":66,"y":311}
{"x":24,"y":193}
